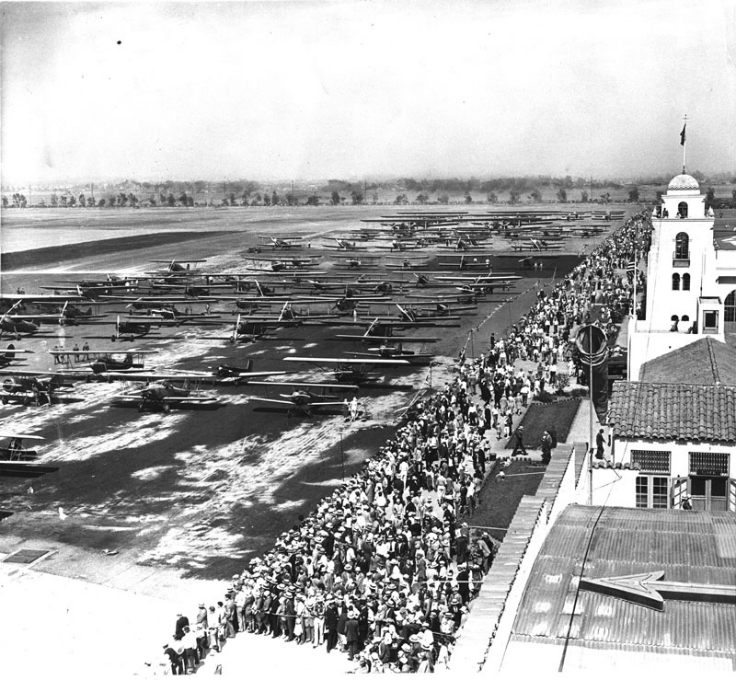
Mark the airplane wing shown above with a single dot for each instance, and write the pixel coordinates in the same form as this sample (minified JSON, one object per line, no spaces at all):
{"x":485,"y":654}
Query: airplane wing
{"x":286,"y":402}
{"x":332,"y":360}
{"x":20,"y":435}
{"x":342,"y":387}
{"x":394,"y":338}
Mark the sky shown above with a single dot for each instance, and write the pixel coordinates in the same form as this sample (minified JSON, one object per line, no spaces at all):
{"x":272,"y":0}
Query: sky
{"x":305,"y":90}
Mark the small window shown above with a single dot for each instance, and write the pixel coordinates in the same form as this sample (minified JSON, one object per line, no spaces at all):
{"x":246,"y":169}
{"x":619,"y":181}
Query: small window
{"x":682,"y":246}
{"x":686,"y":282}
{"x":682,"y":209}
{"x":708,"y":463}
{"x":652,"y":461}
{"x":685,"y":317}
{"x":642,"y":492}
{"x":710,"y":321}
{"x":659,"y":492}
{"x":675,"y":282}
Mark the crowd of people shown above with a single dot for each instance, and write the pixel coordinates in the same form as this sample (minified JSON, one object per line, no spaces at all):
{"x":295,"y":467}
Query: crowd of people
{"x":386,"y":567}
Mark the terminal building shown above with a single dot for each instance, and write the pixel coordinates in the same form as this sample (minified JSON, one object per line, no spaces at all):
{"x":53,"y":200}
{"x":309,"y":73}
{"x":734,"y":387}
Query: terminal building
{"x":629,"y":564}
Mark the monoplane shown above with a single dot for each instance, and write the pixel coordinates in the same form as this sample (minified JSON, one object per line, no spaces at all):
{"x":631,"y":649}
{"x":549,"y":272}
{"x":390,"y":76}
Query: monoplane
{"x":304,"y":397}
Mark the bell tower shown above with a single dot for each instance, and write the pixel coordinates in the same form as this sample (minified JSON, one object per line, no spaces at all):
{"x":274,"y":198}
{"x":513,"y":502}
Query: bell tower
{"x":682,"y":304}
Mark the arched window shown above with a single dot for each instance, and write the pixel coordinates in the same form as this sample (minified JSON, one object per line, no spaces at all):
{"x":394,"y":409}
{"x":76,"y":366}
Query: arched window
{"x":685,"y":317}
{"x":686,"y":282}
{"x":675,"y":320}
{"x":682,"y":209}
{"x":729,"y":311}
{"x":675,"y":282}
{"x":682,"y":246}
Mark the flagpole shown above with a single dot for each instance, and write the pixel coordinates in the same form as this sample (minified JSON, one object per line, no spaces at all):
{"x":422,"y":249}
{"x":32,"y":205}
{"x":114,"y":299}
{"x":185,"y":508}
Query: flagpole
{"x":635,"y":277}
{"x":683,"y":141}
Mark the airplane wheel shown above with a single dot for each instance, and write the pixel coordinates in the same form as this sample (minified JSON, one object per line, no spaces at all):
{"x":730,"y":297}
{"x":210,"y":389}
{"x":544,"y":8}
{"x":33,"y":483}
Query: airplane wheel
{"x":27,"y":401}
{"x":166,"y":408}
{"x":5,"y":401}
{"x":112,"y":338}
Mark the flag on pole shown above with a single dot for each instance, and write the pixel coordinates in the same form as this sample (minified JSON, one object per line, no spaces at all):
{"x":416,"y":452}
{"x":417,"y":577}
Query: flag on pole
{"x":631,"y":266}
{"x":682,"y":135}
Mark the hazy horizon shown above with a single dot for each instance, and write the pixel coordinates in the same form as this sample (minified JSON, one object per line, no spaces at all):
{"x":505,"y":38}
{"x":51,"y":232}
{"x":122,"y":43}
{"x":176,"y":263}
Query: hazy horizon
{"x":311,"y":91}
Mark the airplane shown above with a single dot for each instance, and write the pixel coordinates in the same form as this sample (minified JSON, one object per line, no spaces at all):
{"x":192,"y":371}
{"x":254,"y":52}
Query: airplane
{"x":380,"y":331}
{"x":22,"y":299}
{"x":130,"y":330}
{"x":352,"y":371}
{"x":15,"y":325}
{"x":163,"y":395}
{"x":235,"y":375}
{"x":303,"y":399}
{"x":176,"y":269}
{"x":18,"y":461}
{"x":9,"y":356}
{"x":407,"y":263}
{"x":104,"y":362}
{"x":344,"y":244}
{"x":356,"y":262}
{"x":35,"y":388}
{"x":252,"y":327}
{"x":477,"y":260}
{"x":282,"y":264}
{"x":281,"y":243}
{"x":536,"y":244}
{"x":397,"y":351}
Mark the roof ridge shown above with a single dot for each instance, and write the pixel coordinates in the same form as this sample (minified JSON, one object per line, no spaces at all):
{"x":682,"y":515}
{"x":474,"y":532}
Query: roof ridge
{"x":713,"y":362}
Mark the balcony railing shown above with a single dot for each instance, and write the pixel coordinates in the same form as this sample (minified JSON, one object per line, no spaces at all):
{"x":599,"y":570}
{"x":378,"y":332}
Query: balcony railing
{"x":679,"y":261}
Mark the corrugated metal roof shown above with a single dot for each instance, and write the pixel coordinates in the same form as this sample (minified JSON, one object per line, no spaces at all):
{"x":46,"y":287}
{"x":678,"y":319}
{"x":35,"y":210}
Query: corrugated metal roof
{"x":671,"y":412}
{"x":693,"y":547}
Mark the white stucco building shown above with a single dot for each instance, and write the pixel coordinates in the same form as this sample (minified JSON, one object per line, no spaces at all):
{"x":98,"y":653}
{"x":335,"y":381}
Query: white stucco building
{"x":691,"y":278}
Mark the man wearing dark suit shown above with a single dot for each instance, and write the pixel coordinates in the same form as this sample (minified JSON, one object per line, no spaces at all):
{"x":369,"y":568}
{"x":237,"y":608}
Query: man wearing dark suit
{"x":352,"y":635}
{"x":331,"y":626}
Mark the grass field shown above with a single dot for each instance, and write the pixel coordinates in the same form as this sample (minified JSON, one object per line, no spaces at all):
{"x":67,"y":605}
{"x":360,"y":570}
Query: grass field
{"x":541,"y":417}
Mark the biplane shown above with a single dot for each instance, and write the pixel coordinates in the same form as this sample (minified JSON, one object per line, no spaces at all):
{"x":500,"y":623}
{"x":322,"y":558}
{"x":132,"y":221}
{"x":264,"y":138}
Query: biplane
{"x":177,"y":269}
{"x":9,"y":356}
{"x":36,"y":388}
{"x":163,"y":395}
{"x":18,"y":461}
{"x":352,"y":371}
{"x":361,"y":261}
{"x":304,"y":398}
{"x":407,"y":263}
{"x":345,"y":245}
{"x":281,"y":242}
{"x":475,"y":261}
{"x":381,"y":329}
{"x":17,"y":324}
{"x":282,"y":264}
{"x":131,"y":330}
{"x":252,"y":327}
{"x":102,"y":362}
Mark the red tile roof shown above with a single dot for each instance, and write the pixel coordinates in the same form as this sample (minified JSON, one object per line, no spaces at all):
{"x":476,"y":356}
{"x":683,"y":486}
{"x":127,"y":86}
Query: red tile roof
{"x":670,"y":412}
{"x":703,"y":362}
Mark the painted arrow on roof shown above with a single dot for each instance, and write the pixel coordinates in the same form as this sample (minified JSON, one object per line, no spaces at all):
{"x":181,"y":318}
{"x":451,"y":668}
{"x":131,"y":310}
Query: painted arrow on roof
{"x":651,"y":591}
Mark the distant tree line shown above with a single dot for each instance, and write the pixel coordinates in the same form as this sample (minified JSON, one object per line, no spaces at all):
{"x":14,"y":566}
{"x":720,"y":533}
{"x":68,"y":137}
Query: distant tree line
{"x":336,"y":192}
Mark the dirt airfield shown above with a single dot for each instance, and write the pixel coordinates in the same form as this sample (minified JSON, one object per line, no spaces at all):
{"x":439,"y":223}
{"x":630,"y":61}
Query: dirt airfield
{"x":152,"y":513}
